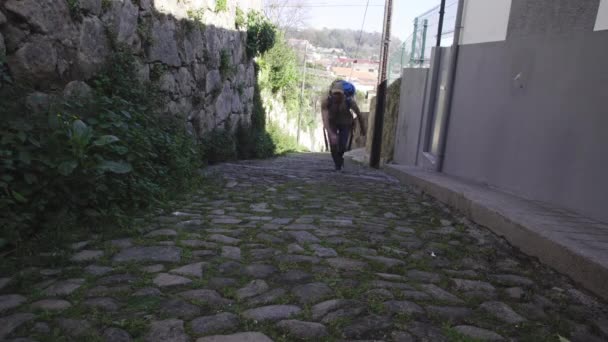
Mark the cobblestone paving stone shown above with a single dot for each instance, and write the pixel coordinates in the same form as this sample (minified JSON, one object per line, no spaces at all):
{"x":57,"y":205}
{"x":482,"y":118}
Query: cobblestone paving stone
{"x":288,"y":250}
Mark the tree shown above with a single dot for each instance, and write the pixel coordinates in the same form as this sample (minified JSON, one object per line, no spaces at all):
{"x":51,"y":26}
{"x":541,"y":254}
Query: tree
{"x":286,"y":15}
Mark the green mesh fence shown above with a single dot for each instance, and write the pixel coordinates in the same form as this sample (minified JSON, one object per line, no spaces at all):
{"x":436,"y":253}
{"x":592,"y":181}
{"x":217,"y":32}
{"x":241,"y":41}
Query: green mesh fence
{"x":416,"y":49}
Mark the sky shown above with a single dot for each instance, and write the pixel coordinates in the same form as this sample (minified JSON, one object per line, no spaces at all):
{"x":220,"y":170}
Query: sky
{"x":349,"y":14}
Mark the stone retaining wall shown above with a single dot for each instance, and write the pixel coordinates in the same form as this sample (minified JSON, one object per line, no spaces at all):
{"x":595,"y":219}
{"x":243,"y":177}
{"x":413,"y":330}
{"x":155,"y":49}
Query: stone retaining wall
{"x":49,"y":45}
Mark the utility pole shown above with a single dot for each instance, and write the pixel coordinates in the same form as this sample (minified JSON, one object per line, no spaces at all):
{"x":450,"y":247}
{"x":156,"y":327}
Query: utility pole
{"x":374,"y":160}
{"x":440,"y":27}
{"x":302,"y":93}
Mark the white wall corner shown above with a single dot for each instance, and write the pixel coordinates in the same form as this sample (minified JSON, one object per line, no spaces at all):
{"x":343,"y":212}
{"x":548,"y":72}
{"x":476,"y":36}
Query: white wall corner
{"x":485,"y":21}
{"x":601,"y":23}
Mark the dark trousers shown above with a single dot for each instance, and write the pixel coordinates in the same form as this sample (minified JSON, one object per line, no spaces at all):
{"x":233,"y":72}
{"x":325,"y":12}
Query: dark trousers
{"x":338,"y":148}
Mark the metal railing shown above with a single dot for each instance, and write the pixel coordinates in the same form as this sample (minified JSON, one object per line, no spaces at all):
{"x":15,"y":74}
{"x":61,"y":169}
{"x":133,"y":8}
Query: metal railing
{"x":416,"y":49}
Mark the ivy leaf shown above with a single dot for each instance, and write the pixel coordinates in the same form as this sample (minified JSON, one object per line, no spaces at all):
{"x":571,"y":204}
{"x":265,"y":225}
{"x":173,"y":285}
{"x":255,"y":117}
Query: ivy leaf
{"x":19,"y":197}
{"x":562,"y":339}
{"x":122,"y":150}
{"x":34,"y":142}
{"x":67,"y":167}
{"x":105,"y":140}
{"x":114,"y":167}
{"x":81,"y":131}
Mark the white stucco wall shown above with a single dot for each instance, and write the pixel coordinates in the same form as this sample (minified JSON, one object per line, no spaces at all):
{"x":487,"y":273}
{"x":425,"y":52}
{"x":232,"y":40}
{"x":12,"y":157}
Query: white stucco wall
{"x":601,"y":23}
{"x":485,"y":21}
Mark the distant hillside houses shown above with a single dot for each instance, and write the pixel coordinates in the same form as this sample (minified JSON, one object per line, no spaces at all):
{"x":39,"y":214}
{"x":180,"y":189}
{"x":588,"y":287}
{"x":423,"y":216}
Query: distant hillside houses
{"x":363,"y":73}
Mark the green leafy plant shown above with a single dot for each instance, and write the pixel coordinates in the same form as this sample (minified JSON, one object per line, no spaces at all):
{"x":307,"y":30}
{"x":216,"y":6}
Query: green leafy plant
{"x":197,"y":16}
{"x":156,"y":71}
{"x":219,"y":145}
{"x":221,"y":6}
{"x":279,"y":68}
{"x":283,"y":142}
{"x":75,"y":10}
{"x":279,"y":74}
{"x":240,"y":21}
{"x":145,"y":32}
{"x":92,"y":160}
{"x":226,"y":68}
{"x":261,"y":34}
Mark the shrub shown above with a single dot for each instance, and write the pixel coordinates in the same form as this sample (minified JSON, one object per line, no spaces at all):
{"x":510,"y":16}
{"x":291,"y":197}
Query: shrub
{"x":197,"y":17}
{"x":279,"y":74}
{"x":240,"y":21}
{"x":91,"y":161}
{"x":261,"y":34}
{"x":75,"y":10}
{"x":253,"y":143}
{"x":284,"y":143}
{"x":219,"y":145}
{"x":221,"y":6}
{"x":279,"y":68}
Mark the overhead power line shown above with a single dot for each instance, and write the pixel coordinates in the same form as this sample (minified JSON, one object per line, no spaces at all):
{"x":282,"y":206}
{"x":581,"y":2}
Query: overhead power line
{"x":360,"y":38}
{"x":329,"y":5}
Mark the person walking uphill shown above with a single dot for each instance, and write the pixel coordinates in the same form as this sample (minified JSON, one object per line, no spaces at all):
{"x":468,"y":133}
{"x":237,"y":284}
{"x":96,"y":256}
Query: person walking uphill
{"x":338,"y":118}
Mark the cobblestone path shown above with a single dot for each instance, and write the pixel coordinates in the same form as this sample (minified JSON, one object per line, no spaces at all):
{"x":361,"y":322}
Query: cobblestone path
{"x":288,"y":250}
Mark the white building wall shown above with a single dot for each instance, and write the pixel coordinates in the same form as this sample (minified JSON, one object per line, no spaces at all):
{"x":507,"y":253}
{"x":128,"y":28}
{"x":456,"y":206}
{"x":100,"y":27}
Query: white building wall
{"x":601,"y":23}
{"x":485,"y":21}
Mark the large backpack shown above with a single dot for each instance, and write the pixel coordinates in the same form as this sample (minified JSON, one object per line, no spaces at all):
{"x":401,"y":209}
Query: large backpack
{"x":349,"y":91}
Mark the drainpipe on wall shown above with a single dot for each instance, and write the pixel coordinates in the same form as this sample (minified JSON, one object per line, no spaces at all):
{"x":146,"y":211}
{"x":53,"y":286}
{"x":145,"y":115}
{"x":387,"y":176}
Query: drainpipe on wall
{"x":445,"y":120}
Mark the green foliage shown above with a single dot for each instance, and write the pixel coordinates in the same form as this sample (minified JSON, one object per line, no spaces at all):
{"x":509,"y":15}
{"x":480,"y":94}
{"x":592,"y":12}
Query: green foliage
{"x":75,"y":10}
{"x":144,"y":31}
{"x":219,"y":145}
{"x":279,"y":74}
{"x":283,"y":142}
{"x":226,"y":68}
{"x":157,"y":71}
{"x":197,"y":17}
{"x":279,"y":68}
{"x":455,"y":336}
{"x":258,"y":113}
{"x":311,"y":65}
{"x":90,"y":161}
{"x":261,"y":34}
{"x":221,"y":6}
{"x":119,"y":79}
{"x":240,"y":20}
{"x":253,"y":143}
{"x":106,"y":4}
